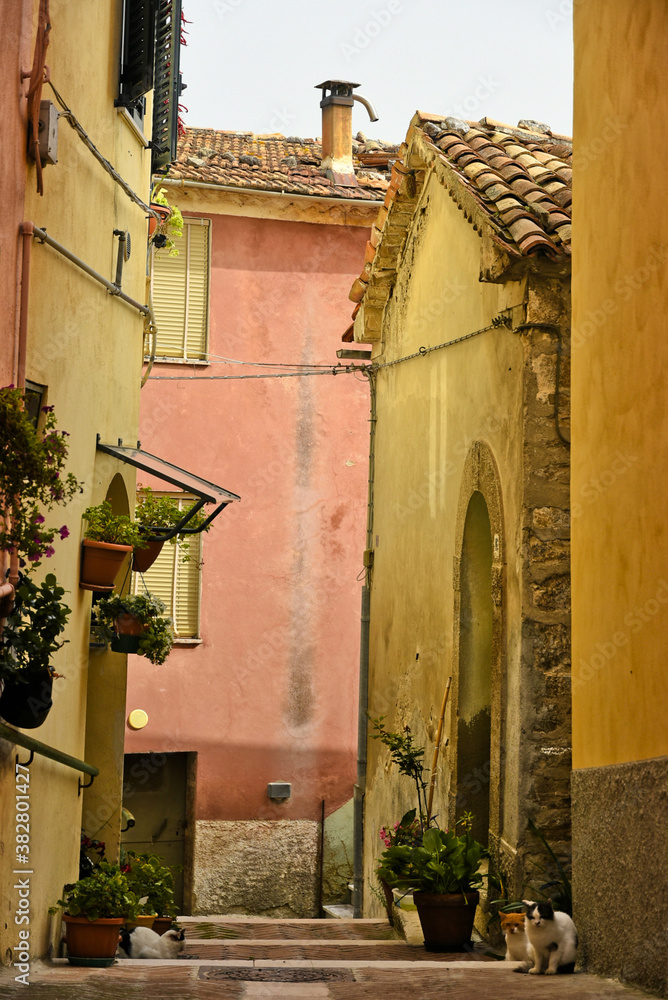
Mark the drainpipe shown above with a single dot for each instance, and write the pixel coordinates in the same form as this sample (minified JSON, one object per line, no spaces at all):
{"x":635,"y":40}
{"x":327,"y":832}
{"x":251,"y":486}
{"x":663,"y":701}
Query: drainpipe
{"x":363,"y":699}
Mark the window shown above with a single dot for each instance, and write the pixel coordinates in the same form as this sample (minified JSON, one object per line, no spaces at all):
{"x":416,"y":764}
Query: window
{"x":150,"y":53}
{"x":180,"y":287}
{"x":176,"y":580}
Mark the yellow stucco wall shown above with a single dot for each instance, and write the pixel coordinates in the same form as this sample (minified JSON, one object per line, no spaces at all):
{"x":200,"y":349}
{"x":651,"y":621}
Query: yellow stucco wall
{"x":86,"y":346}
{"x":426,"y":427}
{"x":620,"y":423}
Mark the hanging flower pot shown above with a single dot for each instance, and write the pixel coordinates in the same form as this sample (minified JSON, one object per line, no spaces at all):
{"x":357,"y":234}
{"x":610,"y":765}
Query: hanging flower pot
{"x":128,"y":628}
{"x":100,"y":563}
{"x":26,"y":703}
{"x":164,"y":211}
{"x":143,"y":559}
{"x":107,"y":540}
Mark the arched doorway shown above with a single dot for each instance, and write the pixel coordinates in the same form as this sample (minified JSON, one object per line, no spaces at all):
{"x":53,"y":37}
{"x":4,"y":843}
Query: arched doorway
{"x":475,"y":667}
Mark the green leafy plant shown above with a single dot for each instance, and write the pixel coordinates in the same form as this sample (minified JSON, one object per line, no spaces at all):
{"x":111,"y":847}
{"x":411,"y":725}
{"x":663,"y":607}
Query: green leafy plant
{"x":103,"y":894}
{"x":408,"y":757}
{"x":105,"y":526}
{"x":170,"y":229}
{"x":32,"y":478}
{"x":156,"y":638}
{"x":153,"y":511}
{"x":31,"y":633}
{"x":152,"y":881}
{"x":445,"y":862}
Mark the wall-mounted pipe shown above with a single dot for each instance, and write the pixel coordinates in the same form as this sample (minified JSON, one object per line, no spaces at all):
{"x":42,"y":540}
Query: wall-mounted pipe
{"x":44,"y":237}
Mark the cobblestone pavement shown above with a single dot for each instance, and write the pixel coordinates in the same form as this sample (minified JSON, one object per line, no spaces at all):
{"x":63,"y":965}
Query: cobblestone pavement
{"x":245,"y":959}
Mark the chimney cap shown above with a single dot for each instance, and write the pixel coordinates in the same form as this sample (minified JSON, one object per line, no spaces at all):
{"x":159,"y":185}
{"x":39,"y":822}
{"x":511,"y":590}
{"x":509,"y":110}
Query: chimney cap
{"x":336,"y":84}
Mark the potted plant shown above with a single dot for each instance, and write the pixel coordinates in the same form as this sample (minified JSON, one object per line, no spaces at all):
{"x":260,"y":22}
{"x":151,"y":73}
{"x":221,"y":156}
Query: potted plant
{"x":406,"y":831}
{"x":170,"y":227}
{"x":95,"y":908}
{"x":157,"y":515}
{"x":107,"y":540}
{"x":153,"y":882}
{"x":444,"y":874}
{"x":29,"y":639}
{"x":32,"y":479}
{"x":135,"y":623}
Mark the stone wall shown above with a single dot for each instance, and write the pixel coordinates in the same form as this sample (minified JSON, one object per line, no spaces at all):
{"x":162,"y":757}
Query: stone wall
{"x":620,"y":856}
{"x":265,"y":868}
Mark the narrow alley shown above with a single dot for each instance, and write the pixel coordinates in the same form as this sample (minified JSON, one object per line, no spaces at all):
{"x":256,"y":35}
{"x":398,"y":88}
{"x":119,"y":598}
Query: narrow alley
{"x":241,"y":958}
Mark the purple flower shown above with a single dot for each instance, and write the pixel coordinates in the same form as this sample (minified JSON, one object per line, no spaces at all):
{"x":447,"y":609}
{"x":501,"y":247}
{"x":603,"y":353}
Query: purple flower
{"x":64,"y":531}
{"x":39,"y":519}
{"x":47,"y":409}
{"x":49,"y":551}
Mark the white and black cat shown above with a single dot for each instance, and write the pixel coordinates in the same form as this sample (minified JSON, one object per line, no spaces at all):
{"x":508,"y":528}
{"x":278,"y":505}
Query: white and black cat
{"x":553,"y":937}
{"x":142,"y":942}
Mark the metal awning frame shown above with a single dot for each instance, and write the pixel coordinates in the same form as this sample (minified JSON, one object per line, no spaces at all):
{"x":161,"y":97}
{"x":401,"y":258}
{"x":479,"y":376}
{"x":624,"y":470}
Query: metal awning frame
{"x":206,"y":491}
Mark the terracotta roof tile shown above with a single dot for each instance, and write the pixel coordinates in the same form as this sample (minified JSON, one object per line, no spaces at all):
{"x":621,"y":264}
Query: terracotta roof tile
{"x":276,"y":163}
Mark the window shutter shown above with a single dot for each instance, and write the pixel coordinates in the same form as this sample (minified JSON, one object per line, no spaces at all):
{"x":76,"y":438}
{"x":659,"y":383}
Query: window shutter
{"x":166,"y":82}
{"x":180,"y":288}
{"x":176,"y":582}
{"x":138,"y":50}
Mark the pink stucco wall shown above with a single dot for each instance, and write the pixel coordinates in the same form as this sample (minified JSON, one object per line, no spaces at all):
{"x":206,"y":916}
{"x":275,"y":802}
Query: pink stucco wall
{"x":17,"y":54}
{"x":271,"y":692}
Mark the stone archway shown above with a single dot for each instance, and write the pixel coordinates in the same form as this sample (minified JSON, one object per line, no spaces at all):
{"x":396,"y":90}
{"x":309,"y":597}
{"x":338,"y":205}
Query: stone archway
{"x":478,"y":655}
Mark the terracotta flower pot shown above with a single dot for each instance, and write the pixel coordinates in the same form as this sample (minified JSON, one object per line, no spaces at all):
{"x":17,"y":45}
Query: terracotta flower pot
{"x":163,"y":211}
{"x":26,"y":704}
{"x":142,"y":559}
{"x":92,"y":938}
{"x":162,"y":924}
{"x":100,"y":563}
{"x":446,"y":919}
{"x":142,"y":920}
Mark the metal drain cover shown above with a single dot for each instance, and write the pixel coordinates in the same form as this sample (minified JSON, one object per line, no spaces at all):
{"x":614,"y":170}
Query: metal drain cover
{"x":212,"y":972}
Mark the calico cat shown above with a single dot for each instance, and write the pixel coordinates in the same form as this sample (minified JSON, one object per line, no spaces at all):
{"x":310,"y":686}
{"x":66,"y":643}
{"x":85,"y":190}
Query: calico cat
{"x":553,"y":937}
{"x":142,"y":942}
{"x":517,"y":945}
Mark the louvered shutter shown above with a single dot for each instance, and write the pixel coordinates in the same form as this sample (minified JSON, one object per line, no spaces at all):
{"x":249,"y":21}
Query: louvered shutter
{"x":166,"y":82}
{"x":198,"y":288}
{"x":176,"y":582}
{"x":137,"y":58}
{"x":180,"y":289}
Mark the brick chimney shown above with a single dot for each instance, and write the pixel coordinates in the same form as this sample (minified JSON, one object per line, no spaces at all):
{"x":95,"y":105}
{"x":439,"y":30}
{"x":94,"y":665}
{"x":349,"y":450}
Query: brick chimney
{"x":337,"y":129}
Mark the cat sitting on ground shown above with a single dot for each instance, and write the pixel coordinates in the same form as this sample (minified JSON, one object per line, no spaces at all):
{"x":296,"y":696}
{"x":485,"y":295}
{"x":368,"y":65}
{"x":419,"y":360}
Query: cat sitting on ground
{"x":552,"y":936}
{"x":142,"y":942}
{"x":517,"y":945}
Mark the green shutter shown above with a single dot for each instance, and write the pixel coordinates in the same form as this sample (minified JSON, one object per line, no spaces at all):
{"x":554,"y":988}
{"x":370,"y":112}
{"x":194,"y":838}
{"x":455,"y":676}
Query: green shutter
{"x":138,"y":50}
{"x":167,"y":81}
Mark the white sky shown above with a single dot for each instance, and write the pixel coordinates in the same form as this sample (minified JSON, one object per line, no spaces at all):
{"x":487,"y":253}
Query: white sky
{"x":251,"y":65}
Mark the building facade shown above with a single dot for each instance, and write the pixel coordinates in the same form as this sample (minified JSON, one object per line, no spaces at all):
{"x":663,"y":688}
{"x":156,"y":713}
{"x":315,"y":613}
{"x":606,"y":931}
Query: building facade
{"x":81,"y":350}
{"x":620,"y":686}
{"x":466,"y":301}
{"x":261,"y":689}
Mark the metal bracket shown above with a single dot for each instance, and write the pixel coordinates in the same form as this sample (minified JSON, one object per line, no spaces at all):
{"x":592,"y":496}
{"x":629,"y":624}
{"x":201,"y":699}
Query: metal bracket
{"x":82,"y":786}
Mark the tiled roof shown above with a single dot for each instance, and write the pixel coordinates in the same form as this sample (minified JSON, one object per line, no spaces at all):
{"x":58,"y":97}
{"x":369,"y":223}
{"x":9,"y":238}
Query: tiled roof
{"x":276,"y":163}
{"x":514,"y":181}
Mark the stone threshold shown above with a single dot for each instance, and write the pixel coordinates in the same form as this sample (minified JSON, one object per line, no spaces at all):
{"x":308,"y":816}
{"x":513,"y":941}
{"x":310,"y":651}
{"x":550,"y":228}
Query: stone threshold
{"x":300,"y":963}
